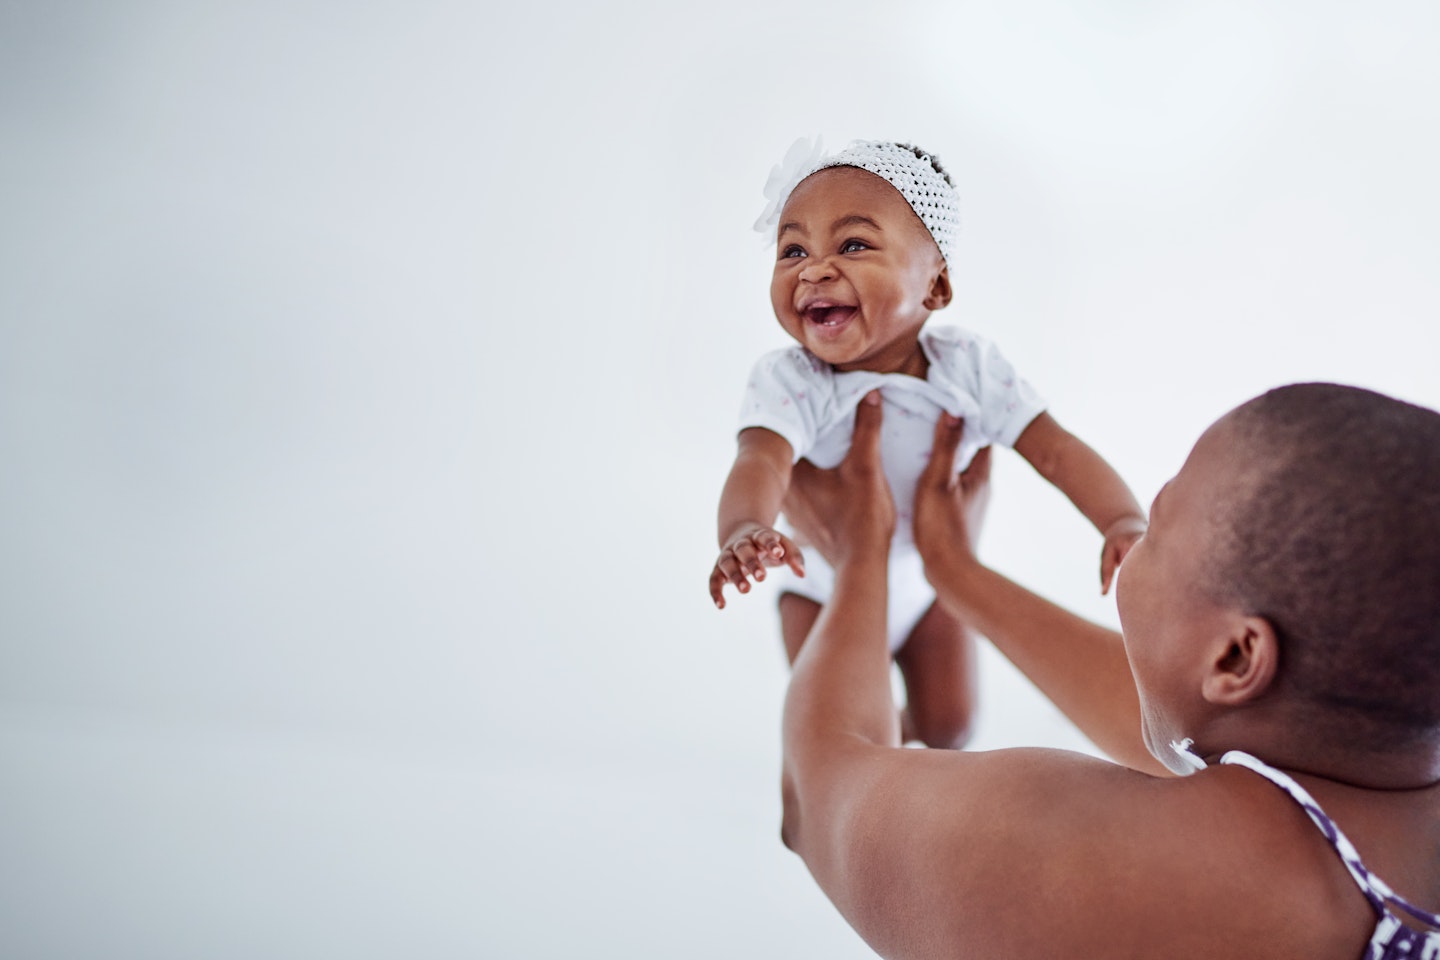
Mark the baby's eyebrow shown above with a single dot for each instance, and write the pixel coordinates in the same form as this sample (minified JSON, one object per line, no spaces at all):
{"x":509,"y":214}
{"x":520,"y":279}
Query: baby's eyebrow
{"x":792,"y":225}
{"x":854,"y":219}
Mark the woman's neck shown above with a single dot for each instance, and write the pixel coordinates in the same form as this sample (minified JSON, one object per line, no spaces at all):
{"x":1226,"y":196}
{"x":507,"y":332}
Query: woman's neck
{"x":1295,"y":743}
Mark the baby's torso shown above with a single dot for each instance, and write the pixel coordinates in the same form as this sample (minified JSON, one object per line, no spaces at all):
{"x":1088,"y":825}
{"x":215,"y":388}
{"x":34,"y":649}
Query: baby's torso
{"x":911,"y":409}
{"x":813,"y":406}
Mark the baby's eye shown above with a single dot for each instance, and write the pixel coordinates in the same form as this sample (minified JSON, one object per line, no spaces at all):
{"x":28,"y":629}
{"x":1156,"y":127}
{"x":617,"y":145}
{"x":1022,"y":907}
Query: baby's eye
{"x":794,"y":250}
{"x":854,"y":246}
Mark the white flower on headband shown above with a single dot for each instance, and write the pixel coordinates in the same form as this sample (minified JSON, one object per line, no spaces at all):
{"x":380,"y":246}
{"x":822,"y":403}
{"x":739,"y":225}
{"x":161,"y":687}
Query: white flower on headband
{"x":801,"y":159}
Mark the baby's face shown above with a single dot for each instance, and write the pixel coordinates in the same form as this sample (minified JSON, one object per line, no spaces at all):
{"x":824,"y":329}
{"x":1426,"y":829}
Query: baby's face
{"x":856,"y":272}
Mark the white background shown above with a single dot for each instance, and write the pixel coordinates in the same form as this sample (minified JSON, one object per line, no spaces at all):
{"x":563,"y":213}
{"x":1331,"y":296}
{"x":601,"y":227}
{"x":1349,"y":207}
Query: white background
{"x":367,"y":380}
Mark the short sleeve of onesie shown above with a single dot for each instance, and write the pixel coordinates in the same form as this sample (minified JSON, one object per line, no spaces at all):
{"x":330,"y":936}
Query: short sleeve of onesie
{"x":803,"y":399}
{"x":790,"y":393}
{"x":971,"y":365}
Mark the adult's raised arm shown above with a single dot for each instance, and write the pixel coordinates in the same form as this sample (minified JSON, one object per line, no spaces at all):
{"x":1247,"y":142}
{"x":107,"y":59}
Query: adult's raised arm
{"x":839,"y":696}
{"x":944,"y":853}
{"x":1081,"y":666}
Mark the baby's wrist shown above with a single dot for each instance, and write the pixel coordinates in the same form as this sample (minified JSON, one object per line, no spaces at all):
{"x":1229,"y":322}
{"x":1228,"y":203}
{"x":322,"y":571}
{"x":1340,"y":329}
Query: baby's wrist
{"x":743,"y":530}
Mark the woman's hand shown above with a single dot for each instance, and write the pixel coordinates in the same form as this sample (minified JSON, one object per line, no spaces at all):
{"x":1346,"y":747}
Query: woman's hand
{"x":848,"y":511}
{"x":949,"y":509}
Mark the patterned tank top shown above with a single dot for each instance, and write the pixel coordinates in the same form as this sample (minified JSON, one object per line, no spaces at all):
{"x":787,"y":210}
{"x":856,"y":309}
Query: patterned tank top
{"x":1392,"y":940}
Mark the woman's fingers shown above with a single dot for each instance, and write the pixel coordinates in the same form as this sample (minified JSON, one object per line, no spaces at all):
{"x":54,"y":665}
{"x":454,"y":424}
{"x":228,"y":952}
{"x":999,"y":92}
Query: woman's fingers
{"x":979,"y":470}
{"x":865,"y":441}
{"x":974,"y":490}
{"x":948,"y":430}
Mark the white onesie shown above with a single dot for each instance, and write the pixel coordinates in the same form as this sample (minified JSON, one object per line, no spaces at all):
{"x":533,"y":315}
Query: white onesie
{"x":812,"y":406}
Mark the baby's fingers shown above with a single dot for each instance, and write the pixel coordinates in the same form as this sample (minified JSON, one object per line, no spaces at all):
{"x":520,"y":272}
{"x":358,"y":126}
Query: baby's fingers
{"x":727,"y":570}
{"x":776,"y":548}
{"x":771,"y":547}
{"x":751,"y":560}
{"x":717,"y":586}
{"x":1109,"y":562}
{"x":792,"y":555}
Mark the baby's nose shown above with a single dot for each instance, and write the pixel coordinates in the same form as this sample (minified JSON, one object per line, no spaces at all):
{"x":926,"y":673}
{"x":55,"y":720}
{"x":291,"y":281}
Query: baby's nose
{"x":818,"y":268}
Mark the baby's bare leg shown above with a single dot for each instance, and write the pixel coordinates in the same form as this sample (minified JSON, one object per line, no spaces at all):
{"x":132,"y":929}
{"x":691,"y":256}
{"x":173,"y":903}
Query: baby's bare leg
{"x":797,"y":615}
{"x":938,"y":664}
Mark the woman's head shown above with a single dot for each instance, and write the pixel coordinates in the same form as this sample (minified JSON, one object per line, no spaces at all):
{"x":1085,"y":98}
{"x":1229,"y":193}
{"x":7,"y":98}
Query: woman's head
{"x":1294,"y":563}
{"x":1337,"y":544}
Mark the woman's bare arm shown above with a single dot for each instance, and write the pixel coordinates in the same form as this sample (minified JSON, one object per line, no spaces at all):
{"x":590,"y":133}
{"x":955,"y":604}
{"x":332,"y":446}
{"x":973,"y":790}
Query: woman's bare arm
{"x":1081,"y":666}
{"x":854,"y":658}
{"x":939,"y":853}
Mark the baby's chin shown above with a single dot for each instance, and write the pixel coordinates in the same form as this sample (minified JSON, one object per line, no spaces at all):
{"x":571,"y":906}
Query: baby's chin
{"x":832,"y":354}
{"x":828,"y":343}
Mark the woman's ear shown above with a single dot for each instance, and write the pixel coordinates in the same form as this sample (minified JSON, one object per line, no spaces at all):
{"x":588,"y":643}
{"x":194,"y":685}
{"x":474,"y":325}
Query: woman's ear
{"x":940,"y":292}
{"x":1244,"y":667}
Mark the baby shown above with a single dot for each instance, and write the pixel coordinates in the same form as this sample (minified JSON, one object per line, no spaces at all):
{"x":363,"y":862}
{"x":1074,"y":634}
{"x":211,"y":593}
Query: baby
{"x":863,"y":243}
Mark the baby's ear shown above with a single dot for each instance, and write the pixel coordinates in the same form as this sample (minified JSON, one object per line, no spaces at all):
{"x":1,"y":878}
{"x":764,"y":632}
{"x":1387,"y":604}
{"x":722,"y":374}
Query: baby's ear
{"x":940,"y":292}
{"x":1244,"y":668}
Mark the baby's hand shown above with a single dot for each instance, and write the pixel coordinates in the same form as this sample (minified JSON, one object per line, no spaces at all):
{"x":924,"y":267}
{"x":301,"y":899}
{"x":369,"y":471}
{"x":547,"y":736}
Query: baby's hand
{"x":747,"y":554}
{"x":1120,"y":536}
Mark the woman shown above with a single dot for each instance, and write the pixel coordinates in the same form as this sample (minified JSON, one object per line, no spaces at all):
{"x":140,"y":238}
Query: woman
{"x":1281,"y":614}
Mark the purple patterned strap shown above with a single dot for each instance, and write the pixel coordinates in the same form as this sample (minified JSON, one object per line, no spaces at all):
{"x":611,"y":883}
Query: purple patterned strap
{"x":1392,"y":940}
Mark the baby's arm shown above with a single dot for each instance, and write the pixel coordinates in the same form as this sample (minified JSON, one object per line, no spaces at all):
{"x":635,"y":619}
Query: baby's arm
{"x":748,"y":506}
{"x":1091,"y":484}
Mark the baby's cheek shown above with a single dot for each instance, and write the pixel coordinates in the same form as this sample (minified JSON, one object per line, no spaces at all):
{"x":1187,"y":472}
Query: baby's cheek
{"x":780,"y":290}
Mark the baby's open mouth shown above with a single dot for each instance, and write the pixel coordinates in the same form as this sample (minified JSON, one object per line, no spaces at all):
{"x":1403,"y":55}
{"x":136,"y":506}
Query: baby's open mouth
{"x":828,"y":315}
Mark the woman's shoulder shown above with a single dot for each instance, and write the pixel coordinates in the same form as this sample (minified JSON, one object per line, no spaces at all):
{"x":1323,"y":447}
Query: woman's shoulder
{"x":1219,"y":863}
{"x":1241,"y":866}
{"x":1257,"y":858}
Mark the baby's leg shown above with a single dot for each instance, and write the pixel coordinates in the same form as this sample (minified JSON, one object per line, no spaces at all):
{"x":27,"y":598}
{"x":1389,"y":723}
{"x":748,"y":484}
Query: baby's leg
{"x":938,"y":664}
{"x":797,"y":615}
{"x":797,"y":618}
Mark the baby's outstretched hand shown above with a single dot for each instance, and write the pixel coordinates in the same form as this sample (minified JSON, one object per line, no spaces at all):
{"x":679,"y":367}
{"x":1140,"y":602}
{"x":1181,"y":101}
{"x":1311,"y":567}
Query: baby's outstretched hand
{"x":1120,"y":536}
{"x":747,"y":554}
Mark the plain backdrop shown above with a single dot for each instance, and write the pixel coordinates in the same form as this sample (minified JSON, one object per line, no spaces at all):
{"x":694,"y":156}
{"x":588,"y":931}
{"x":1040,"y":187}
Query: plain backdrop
{"x":368,"y":375}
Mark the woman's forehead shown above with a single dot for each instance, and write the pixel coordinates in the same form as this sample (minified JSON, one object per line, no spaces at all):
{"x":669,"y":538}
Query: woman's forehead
{"x":1211,"y":475}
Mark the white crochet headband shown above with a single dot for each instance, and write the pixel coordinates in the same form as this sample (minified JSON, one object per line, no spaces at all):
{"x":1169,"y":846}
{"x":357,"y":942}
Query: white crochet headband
{"x":932,"y":198}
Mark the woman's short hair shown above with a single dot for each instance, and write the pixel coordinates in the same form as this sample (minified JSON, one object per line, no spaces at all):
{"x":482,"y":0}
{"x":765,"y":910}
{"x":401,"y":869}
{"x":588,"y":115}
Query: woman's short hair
{"x":1334,"y":538}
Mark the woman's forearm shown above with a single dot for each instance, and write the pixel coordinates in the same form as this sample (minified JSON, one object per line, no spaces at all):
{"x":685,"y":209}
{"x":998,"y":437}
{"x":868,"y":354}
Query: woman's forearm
{"x":1079,"y":665}
{"x":837,"y":708}
{"x":840,"y":688}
